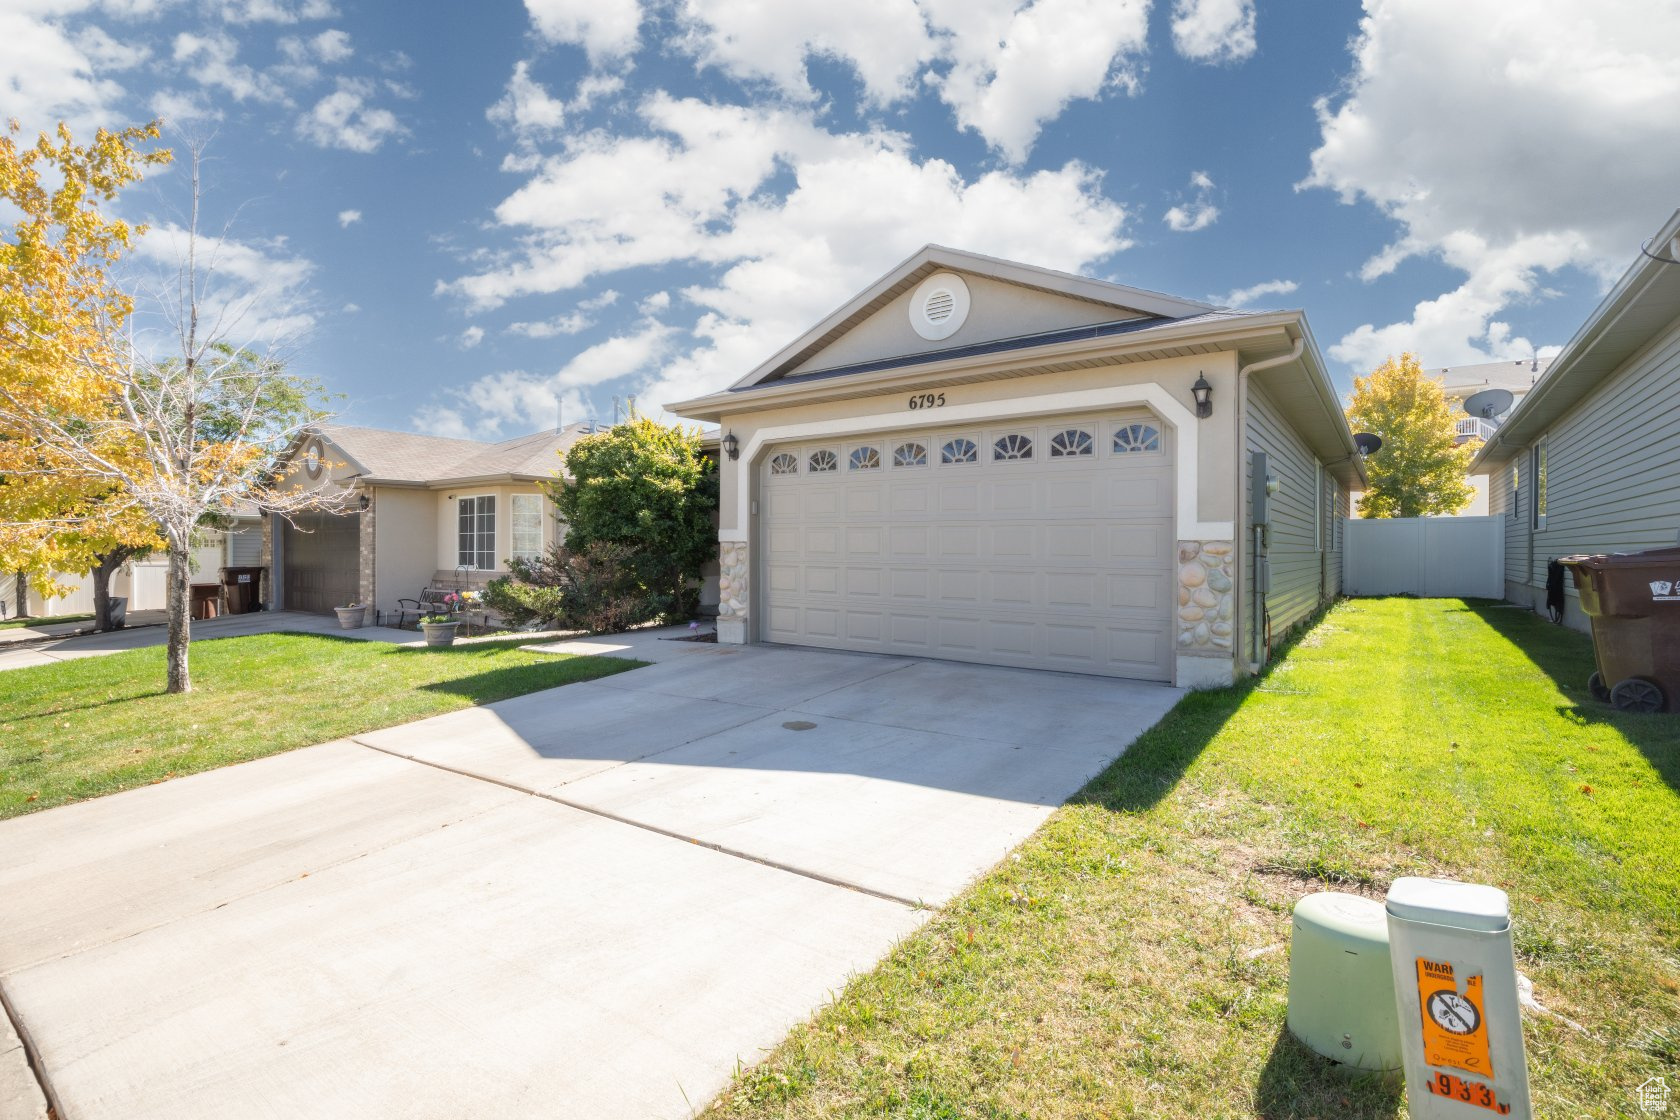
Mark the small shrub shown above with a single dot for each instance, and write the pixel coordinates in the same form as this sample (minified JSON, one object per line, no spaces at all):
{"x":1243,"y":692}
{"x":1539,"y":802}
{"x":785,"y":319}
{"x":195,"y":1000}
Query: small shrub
{"x":602,"y":589}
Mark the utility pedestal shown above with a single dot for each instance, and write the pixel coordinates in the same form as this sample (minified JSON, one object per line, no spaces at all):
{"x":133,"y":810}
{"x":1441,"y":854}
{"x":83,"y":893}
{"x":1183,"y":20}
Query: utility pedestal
{"x":1455,"y":984}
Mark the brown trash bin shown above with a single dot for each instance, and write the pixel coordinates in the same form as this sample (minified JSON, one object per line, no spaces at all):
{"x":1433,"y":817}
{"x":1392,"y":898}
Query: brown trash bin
{"x":241,"y":587}
{"x":1633,"y":600}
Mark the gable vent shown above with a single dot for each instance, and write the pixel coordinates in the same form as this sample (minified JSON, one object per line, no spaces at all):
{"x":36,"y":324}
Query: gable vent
{"x":939,"y":306}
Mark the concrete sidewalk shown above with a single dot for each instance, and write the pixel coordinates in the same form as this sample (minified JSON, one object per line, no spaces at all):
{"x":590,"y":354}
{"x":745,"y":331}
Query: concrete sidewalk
{"x":588,"y":902}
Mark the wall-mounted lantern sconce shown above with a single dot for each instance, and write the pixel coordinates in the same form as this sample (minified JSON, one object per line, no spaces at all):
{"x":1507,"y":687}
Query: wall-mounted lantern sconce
{"x":1203,"y":392}
{"x":364,"y":504}
{"x":731,"y":446}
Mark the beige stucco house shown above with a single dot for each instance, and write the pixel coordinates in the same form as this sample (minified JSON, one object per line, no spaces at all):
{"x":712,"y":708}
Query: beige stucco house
{"x":416,"y":510}
{"x":987,"y":461}
{"x":1589,"y":460}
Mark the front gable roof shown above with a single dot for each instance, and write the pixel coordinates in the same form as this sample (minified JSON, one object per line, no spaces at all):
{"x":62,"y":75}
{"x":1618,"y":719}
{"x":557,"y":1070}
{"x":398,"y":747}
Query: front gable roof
{"x":1090,"y":303}
{"x":376,"y":455}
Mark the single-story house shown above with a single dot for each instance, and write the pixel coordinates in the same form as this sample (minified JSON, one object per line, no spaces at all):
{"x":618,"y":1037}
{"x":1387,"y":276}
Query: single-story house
{"x":417,"y":510}
{"x":1589,"y":460}
{"x":986,"y":461}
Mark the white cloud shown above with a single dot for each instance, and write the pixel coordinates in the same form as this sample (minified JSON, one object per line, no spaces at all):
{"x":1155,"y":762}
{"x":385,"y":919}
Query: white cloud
{"x":885,"y":41}
{"x":108,"y":53}
{"x":209,"y":60}
{"x":656,"y":303}
{"x":275,"y":11}
{"x":1014,"y":66}
{"x":617,"y":357}
{"x":470,"y":337}
{"x":606,"y":29}
{"x":1571,"y":159}
{"x":179,"y":106}
{"x":1242,"y":297}
{"x":527,"y":108}
{"x":350,"y":308}
{"x":252,"y":293}
{"x":578,"y":321}
{"x":1199,"y":213}
{"x":344,"y":119}
{"x":47,"y":75}
{"x":348,"y":218}
{"x":1004,"y":66}
{"x":332,"y":46}
{"x":1213,"y":31}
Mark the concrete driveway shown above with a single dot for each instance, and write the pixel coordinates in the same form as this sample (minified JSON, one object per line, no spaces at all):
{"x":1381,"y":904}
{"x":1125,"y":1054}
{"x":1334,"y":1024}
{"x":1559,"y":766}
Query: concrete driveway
{"x":589,"y":902}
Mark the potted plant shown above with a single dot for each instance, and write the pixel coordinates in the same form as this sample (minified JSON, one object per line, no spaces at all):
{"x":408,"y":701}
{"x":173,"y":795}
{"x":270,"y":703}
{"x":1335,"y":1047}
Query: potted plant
{"x":351,"y":616}
{"x":439,"y":629}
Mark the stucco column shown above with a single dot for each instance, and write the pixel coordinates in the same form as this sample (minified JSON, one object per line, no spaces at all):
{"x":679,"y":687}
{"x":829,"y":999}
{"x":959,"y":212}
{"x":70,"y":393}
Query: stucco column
{"x":733,"y":592}
{"x":1205,"y":614}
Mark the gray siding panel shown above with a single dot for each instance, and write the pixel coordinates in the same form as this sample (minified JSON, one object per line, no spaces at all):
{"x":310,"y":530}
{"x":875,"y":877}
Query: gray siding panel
{"x":1292,"y":540}
{"x":1613,"y":469}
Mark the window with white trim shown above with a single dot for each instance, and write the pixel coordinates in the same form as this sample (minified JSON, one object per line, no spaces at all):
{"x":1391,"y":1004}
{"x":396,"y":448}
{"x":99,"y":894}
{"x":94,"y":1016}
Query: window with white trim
{"x":1538,"y":474}
{"x":476,"y":532}
{"x":527,"y":525}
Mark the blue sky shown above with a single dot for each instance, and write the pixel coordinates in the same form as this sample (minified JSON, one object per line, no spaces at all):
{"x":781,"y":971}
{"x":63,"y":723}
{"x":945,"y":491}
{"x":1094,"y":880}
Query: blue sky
{"x":462,"y":217}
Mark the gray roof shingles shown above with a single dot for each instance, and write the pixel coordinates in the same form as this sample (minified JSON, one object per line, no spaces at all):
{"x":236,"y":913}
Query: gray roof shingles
{"x":408,"y":457}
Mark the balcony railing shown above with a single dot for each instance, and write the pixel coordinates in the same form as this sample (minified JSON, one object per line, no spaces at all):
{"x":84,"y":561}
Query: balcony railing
{"x":1476,"y":427}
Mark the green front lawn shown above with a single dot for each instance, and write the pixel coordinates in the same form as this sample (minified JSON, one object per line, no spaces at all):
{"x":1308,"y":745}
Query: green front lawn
{"x":1131,"y":958}
{"x":94,"y":726}
{"x":20,"y":623}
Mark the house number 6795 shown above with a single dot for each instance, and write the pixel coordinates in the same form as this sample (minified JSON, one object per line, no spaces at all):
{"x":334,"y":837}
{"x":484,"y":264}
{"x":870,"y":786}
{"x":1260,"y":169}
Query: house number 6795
{"x":927,"y":400}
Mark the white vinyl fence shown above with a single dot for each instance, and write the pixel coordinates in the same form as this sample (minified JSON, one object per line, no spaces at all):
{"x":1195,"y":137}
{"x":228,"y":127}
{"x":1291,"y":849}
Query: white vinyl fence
{"x":1433,"y":557}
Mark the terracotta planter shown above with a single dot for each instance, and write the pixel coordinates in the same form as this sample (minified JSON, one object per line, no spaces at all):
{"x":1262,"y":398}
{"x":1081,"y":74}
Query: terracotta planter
{"x":439,"y":633}
{"x":351,"y":618}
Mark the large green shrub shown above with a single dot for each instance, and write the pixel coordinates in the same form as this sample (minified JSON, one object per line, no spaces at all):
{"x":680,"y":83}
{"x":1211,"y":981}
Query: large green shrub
{"x":648,"y":488}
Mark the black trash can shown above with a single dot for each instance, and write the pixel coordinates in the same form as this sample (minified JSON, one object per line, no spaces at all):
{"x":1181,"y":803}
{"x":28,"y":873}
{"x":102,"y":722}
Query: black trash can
{"x":1633,"y":600}
{"x":242,"y":587}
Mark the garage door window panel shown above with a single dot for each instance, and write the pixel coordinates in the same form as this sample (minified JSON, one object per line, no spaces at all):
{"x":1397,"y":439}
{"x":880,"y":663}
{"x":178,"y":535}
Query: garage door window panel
{"x":910,"y":455}
{"x":959,"y":451}
{"x":784,"y":464}
{"x":823,"y":462}
{"x":864,"y":459}
{"x":1074,"y":443}
{"x":1136,"y":439}
{"x":1012,"y":447}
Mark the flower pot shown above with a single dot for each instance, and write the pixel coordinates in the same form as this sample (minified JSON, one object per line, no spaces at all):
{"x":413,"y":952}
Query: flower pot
{"x":439,"y":633}
{"x":351,"y":618}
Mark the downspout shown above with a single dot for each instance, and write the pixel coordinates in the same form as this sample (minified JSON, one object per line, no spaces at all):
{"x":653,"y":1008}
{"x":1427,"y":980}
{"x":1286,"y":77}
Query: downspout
{"x":1256,"y":627}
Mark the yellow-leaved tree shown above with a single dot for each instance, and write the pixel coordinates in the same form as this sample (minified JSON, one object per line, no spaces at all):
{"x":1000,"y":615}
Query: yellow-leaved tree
{"x":108,"y":442}
{"x":58,"y":312}
{"x":1420,"y":469}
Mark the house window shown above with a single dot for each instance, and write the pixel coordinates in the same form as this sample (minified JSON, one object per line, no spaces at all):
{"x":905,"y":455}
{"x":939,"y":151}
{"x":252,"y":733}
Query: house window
{"x":476,"y":532}
{"x":527,"y":526}
{"x":1539,"y":476}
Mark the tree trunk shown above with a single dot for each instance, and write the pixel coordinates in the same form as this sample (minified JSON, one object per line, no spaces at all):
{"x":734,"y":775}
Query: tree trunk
{"x":105,"y":567}
{"x":22,"y":596}
{"x":180,"y":616}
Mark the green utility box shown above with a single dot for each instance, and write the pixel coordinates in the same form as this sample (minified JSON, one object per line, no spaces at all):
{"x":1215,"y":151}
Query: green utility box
{"x":1341,"y":985}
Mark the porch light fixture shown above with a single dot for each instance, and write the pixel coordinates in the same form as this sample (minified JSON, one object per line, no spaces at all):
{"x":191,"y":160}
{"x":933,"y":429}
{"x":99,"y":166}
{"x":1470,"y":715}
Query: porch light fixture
{"x":1203,"y":392}
{"x":731,"y":446}
{"x":364,"y":503}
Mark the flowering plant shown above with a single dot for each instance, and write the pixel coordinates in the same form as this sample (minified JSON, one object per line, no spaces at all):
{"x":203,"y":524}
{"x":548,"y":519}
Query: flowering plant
{"x":436,"y":619}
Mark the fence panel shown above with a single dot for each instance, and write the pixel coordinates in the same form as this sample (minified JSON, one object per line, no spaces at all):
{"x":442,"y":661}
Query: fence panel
{"x":1433,"y":557}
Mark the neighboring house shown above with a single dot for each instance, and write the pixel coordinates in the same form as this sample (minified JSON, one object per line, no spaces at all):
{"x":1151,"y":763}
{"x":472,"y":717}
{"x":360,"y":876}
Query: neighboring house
{"x":987,"y":461}
{"x":418,"y":510}
{"x":1459,"y":384}
{"x":1589,"y":461}
{"x":144,"y":582}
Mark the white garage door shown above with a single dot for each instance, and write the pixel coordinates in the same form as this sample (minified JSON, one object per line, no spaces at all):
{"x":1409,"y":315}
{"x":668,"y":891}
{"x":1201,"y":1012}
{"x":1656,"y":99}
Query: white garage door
{"x":1045,"y":545}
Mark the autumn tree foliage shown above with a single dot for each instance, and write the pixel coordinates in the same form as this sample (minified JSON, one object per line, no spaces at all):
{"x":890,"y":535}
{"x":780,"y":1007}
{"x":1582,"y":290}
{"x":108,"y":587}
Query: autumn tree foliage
{"x":1420,"y":469}
{"x":110,"y":441}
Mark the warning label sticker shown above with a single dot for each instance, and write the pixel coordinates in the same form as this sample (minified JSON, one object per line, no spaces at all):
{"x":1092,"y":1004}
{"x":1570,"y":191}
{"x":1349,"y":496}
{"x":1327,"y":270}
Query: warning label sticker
{"x":1454,"y":1031}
